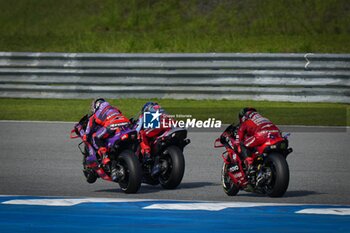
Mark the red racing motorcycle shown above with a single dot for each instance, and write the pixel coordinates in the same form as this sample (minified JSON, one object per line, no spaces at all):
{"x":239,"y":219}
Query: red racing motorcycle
{"x":168,"y":147}
{"x":269,"y":174}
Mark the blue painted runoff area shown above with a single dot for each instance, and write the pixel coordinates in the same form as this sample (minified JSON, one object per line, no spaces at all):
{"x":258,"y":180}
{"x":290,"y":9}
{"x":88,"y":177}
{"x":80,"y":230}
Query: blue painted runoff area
{"x":54,"y":214}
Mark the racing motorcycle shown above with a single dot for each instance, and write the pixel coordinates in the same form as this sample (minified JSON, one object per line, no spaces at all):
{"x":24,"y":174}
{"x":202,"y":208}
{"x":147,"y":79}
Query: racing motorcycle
{"x":169,"y":148}
{"x":269,"y":174}
{"x":121,"y":150}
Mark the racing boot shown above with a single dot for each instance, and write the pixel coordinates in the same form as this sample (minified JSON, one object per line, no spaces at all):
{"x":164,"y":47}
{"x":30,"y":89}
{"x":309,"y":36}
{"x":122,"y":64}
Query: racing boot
{"x":245,"y":151}
{"x":117,"y":172}
{"x":246,"y":156}
{"x":105,"y":161}
{"x":248,"y":162}
{"x":156,"y":167}
{"x":155,"y":170}
{"x":260,"y":178}
{"x":114,"y":174}
{"x":147,"y":158}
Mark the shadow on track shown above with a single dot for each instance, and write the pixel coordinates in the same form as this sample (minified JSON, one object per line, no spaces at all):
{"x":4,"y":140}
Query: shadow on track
{"x":157,"y":188}
{"x":295,"y":193}
{"x":301,"y":193}
{"x":194,"y":185}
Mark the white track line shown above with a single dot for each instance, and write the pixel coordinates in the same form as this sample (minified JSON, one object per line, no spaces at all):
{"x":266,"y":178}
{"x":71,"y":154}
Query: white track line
{"x":332,"y":211}
{"x":212,"y":206}
{"x":67,"y":201}
{"x":183,"y":205}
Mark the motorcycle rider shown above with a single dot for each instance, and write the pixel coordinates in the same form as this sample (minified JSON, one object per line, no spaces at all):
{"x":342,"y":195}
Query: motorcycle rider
{"x":104,"y":123}
{"x":252,"y":131}
{"x":146,"y":134}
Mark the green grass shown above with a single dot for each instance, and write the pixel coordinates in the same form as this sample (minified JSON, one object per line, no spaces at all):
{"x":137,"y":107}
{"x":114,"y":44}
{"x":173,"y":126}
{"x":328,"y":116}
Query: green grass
{"x":175,"y":26}
{"x":283,"y":113}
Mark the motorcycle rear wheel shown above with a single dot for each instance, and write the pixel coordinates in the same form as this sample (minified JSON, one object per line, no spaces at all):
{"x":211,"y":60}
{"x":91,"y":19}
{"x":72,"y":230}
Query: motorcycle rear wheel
{"x":131,"y":181}
{"x":230,"y":188}
{"x":279,"y":182}
{"x":176,"y":168}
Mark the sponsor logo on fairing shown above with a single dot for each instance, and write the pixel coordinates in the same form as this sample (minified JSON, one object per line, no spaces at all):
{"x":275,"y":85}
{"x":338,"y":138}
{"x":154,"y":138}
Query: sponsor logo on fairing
{"x":234,"y":168}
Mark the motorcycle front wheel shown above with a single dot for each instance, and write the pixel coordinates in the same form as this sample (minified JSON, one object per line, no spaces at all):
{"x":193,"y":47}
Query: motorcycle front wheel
{"x":230,"y":188}
{"x":90,"y":175}
{"x":132,"y":175}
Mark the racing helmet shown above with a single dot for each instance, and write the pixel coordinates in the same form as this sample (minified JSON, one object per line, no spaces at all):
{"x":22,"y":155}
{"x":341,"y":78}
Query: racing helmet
{"x":242,"y":115}
{"x":96,"y":104}
{"x":150,"y":106}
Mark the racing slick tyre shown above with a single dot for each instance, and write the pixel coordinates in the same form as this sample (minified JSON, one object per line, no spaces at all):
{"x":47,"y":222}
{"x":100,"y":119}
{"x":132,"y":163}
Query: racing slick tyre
{"x":175,"y":162}
{"x":128,"y":164}
{"x":230,"y":188}
{"x":90,"y":175}
{"x":279,"y":179}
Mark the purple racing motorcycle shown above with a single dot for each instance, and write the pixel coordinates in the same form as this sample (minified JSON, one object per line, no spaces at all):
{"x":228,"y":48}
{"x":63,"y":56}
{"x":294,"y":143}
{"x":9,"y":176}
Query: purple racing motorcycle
{"x":121,"y":150}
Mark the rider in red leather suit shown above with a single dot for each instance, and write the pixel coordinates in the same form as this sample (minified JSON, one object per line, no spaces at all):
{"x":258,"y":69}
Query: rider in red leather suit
{"x":147,"y":134}
{"x":253,"y":131}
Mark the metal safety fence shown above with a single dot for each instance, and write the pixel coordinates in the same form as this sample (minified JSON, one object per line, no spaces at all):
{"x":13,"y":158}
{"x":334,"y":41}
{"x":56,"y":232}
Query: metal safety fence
{"x":275,"y":77}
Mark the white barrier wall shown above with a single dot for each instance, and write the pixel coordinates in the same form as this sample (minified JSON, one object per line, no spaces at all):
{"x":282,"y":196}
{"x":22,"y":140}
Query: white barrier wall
{"x":275,"y":77}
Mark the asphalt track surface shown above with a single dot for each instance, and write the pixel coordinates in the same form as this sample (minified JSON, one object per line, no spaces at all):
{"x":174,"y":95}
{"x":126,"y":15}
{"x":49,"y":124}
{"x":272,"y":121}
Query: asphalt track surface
{"x":39,"y":159}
